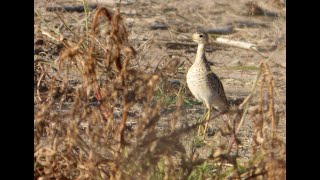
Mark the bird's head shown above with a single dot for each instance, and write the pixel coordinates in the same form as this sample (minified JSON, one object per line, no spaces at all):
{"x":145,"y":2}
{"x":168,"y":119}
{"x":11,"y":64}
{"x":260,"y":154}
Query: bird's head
{"x":200,"y":38}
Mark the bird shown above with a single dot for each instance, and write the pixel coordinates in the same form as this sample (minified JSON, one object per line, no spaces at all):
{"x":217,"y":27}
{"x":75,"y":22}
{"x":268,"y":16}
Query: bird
{"x":204,"y":84}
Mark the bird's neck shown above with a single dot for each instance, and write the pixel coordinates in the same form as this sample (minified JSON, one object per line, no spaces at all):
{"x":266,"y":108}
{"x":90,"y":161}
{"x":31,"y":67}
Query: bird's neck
{"x":200,"y":56}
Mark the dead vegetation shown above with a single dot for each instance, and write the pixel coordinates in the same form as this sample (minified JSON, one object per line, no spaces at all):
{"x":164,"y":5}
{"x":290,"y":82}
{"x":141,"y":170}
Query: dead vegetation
{"x":84,"y":99}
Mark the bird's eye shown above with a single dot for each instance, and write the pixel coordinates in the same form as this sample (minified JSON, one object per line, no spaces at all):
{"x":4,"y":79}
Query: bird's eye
{"x":201,"y":35}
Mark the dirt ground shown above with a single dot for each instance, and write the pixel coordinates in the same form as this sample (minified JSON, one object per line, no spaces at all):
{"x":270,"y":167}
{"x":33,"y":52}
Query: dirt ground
{"x":162,"y":30}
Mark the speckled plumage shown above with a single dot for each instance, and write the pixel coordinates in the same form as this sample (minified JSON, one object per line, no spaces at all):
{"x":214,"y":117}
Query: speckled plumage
{"x":202,"y":82}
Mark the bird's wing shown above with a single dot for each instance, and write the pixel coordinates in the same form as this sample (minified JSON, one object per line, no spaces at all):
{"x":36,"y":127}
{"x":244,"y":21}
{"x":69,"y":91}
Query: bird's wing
{"x":217,"y":85}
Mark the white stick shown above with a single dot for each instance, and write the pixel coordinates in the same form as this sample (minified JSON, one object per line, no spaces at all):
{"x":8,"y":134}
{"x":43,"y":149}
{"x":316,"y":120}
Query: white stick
{"x":239,"y":44}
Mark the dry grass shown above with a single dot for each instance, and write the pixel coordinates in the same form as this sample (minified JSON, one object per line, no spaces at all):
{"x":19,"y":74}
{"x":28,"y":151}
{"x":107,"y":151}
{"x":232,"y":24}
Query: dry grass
{"x":83,"y":101}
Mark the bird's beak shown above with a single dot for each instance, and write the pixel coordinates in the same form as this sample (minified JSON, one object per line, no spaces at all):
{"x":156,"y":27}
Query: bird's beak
{"x":193,"y":37}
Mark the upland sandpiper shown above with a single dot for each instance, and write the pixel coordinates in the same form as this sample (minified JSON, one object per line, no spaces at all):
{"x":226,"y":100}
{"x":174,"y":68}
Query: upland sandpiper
{"x":203,"y":83}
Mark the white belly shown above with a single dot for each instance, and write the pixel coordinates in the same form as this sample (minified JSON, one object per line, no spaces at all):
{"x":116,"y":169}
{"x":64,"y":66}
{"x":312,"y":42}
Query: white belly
{"x":196,"y":86}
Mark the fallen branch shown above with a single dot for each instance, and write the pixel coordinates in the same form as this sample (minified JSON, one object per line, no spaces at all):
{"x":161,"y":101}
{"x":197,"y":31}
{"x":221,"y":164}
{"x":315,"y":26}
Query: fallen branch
{"x":239,"y":44}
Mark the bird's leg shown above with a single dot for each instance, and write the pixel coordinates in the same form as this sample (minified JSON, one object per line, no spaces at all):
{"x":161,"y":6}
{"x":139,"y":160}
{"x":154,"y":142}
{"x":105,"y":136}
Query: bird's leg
{"x":202,"y":129}
{"x":207,"y":122}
